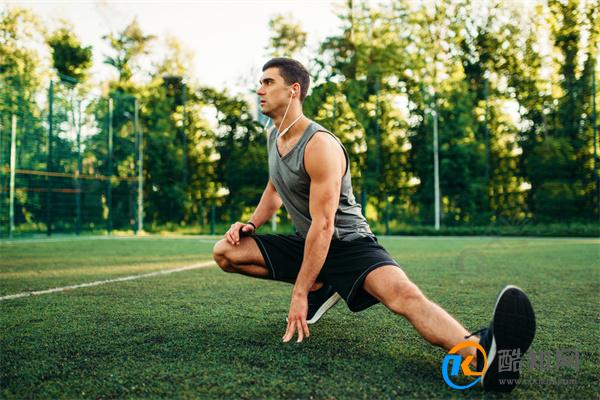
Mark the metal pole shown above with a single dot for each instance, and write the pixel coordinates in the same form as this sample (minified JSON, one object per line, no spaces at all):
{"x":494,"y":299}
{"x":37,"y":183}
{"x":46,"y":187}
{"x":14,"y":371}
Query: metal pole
{"x":13,"y":162}
{"x":595,"y":128}
{"x":140,"y":199}
{"x":184,"y":136}
{"x":49,"y":160}
{"x":212,"y":219}
{"x":136,"y":162}
{"x":378,"y":147}
{"x":2,"y":163}
{"x":79,"y":169}
{"x":487,"y":135}
{"x":387,"y":214}
{"x":274,"y":222}
{"x":187,"y":194}
{"x":377,"y":133}
{"x":110,"y":168}
{"x":436,"y":169}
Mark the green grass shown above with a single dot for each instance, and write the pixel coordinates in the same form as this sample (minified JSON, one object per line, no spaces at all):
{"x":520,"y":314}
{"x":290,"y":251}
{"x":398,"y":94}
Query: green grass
{"x":206,"y":334}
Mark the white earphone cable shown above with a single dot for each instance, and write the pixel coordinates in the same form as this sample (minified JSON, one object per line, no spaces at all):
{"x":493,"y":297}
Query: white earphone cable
{"x":284,"y":115}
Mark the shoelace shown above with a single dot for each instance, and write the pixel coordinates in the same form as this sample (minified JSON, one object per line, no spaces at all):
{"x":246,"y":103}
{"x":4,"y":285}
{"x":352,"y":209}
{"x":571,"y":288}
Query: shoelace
{"x":476,"y":332}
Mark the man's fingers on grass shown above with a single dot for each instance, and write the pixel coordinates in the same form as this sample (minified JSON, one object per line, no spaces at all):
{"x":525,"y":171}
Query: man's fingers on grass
{"x":305,"y":326}
{"x":300,"y":334}
{"x":287,"y":330}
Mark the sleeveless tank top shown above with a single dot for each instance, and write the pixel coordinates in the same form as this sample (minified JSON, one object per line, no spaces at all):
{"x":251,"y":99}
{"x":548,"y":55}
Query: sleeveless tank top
{"x":292,"y":183}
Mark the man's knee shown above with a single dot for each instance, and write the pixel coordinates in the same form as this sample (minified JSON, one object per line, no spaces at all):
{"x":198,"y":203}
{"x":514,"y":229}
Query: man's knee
{"x":404,"y":297}
{"x":220,"y":250}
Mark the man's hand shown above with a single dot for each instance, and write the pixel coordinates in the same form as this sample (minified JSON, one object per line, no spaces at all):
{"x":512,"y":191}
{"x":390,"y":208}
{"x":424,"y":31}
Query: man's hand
{"x":233,"y":234}
{"x":297,"y":318}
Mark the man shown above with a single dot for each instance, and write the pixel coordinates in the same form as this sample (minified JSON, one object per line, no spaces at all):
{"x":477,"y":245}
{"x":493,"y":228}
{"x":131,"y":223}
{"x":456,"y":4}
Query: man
{"x":334,"y":253}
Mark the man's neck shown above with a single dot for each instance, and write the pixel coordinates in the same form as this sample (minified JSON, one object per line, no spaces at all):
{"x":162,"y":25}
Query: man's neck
{"x":293,"y":113}
{"x":296,"y":130}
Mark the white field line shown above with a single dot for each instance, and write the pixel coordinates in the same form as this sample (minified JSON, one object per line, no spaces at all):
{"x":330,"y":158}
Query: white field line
{"x":85,"y":238}
{"x":104,"y":282}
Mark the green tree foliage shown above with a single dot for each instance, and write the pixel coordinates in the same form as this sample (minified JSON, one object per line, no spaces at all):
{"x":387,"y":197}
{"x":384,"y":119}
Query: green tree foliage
{"x":287,"y":36}
{"x":555,"y":102}
{"x":69,"y":57}
{"x":128,"y":46}
{"x":363,"y":59}
{"x":511,"y":90}
{"x":21,"y":80}
{"x":468,"y":64}
{"x":241,"y":168}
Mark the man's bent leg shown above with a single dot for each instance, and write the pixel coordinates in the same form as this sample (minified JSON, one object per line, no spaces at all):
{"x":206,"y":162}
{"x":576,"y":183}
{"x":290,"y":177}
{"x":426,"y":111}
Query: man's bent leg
{"x":390,"y":285}
{"x":244,"y":258}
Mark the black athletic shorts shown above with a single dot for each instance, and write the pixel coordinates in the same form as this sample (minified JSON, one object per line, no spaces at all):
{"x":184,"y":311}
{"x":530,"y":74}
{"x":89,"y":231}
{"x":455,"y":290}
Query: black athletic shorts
{"x":345,"y":268}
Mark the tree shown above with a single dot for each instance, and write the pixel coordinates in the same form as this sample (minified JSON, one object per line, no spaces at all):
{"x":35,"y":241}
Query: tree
{"x":128,"y":46}
{"x":69,"y":57}
{"x":557,"y":136}
{"x":21,"y":79}
{"x":241,"y":165}
{"x":365,"y":59}
{"x":287,"y":37}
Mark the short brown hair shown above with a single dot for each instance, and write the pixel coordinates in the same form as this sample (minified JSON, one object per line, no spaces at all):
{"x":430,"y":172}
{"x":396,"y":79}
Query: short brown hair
{"x":292,"y":71}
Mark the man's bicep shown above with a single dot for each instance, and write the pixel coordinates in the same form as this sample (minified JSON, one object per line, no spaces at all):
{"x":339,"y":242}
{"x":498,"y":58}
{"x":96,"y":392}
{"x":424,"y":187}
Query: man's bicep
{"x":271,"y":190}
{"x":324,"y":200}
{"x":323,"y":166}
{"x":270,"y":185}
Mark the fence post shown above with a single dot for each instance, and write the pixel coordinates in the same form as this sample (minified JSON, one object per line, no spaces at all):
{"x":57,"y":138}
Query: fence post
{"x":184,"y":137}
{"x":2,"y":168}
{"x":595,"y":128}
{"x":212,"y":219}
{"x":79,"y":169}
{"x":140,"y":199}
{"x":13,"y":161}
{"x":110,"y":168}
{"x":49,"y":160}
{"x":436,"y":168}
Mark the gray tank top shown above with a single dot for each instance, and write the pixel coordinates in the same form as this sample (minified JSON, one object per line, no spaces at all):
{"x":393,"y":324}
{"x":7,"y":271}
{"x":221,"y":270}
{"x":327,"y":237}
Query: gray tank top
{"x":293,"y":186}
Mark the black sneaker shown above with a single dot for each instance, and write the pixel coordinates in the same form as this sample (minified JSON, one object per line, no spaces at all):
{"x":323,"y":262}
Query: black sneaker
{"x":319,"y":302}
{"x":508,"y":337}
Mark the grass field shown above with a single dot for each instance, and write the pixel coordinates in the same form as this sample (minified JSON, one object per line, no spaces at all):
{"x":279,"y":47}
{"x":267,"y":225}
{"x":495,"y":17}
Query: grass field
{"x":203,"y":333}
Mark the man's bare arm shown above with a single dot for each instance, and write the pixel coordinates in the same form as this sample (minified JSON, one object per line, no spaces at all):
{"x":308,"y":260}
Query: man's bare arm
{"x":267,"y":206}
{"x":324,"y":162}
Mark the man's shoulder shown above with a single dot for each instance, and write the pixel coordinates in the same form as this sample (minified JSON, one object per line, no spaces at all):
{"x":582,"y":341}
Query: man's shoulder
{"x":322,"y":140}
{"x":323,"y":152}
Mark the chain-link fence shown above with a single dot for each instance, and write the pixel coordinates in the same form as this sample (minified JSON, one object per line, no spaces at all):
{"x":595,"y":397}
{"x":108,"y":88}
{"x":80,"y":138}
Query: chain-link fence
{"x":50,"y":178}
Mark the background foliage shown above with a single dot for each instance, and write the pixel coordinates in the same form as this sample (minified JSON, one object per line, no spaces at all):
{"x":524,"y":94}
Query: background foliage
{"x":512,"y":93}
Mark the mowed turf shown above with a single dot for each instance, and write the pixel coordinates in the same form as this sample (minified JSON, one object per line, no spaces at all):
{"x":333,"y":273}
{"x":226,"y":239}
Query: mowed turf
{"x":207,"y":334}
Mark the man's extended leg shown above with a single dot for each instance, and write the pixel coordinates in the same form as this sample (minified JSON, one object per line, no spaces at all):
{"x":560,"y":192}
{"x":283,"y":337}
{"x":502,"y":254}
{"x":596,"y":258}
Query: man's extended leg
{"x":512,"y":326}
{"x":390,"y":285}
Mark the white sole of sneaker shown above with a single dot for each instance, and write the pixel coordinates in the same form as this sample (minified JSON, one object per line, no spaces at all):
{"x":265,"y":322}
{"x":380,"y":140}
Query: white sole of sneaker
{"x":326,"y":306}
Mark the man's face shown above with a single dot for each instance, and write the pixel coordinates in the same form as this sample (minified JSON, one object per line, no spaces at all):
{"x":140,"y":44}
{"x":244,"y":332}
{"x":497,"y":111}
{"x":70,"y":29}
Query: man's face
{"x":273,"y":91}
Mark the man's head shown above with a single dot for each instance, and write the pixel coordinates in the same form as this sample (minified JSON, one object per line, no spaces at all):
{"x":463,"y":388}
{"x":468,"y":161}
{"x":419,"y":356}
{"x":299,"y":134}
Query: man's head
{"x":282,"y":78}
